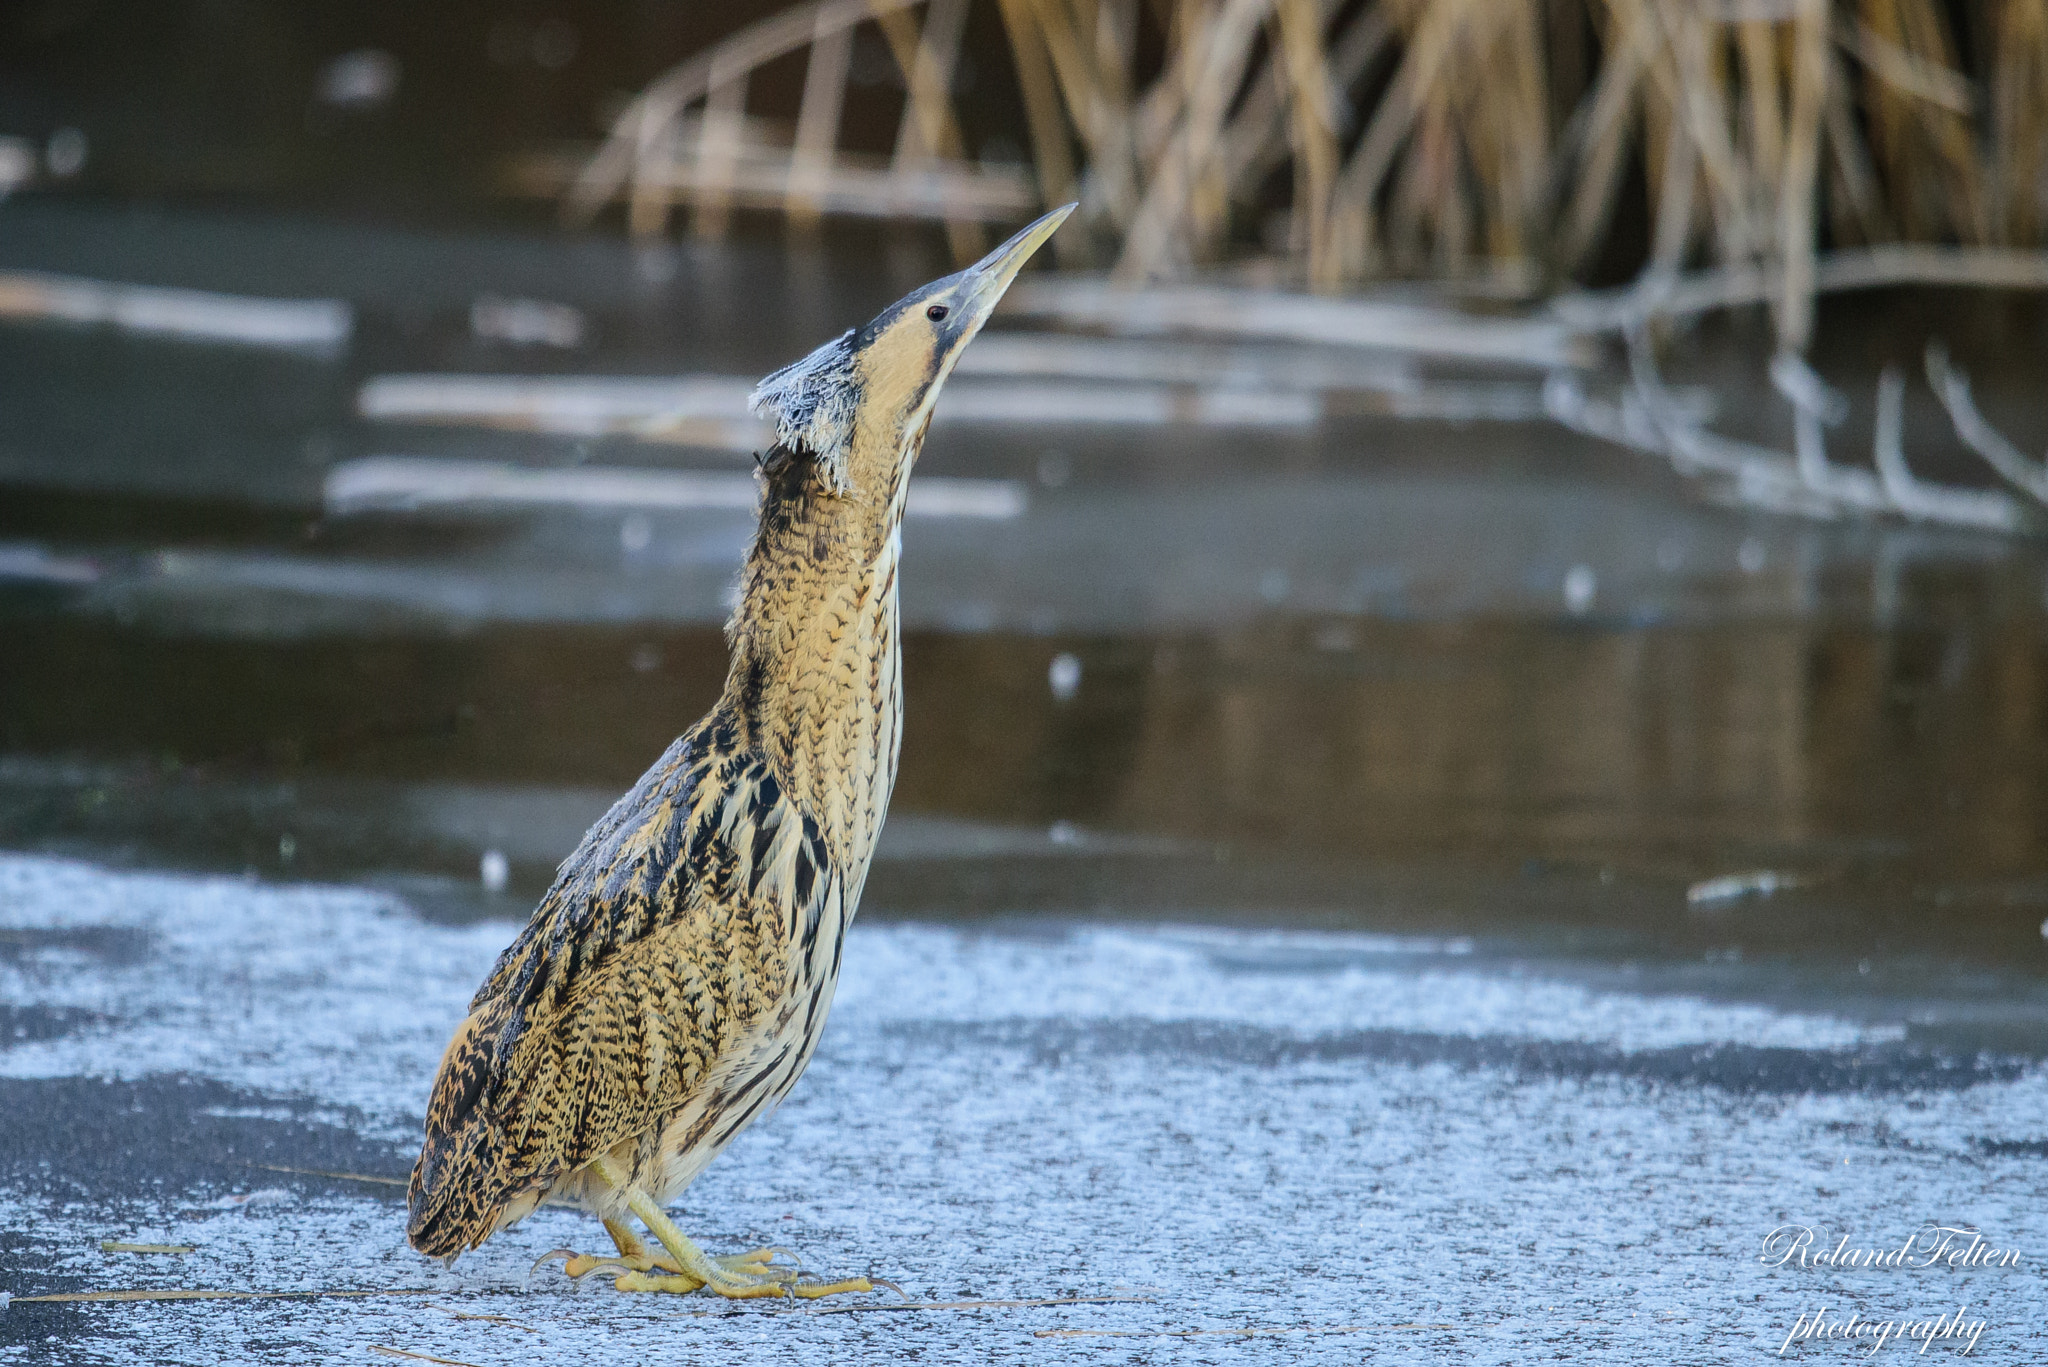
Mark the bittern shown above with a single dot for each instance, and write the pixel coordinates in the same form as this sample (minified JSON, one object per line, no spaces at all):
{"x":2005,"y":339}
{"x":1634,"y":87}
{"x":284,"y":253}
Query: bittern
{"x":673,"y":982}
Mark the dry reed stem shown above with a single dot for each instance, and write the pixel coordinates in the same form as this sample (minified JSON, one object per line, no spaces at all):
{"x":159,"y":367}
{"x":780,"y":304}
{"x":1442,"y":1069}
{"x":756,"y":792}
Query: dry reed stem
{"x":1913,"y":76}
{"x":1312,"y":106}
{"x":505,"y":1320}
{"x":1604,"y":137}
{"x":2019,"y":140}
{"x":1857,"y":210}
{"x":817,"y":122}
{"x":1207,"y":195}
{"x":1159,"y":111}
{"x":1424,"y":188}
{"x":1789,"y":111}
{"x":1521,"y":133}
{"x":928,"y":128}
{"x":1258,"y":137}
{"x":1797,"y":189}
{"x":1258,"y":132}
{"x":718,"y":153}
{"x":1913,"y":137}
{"x":641,"y":136}
{"x":1429,"y":44}
{"x":1050,"y":151}
{"x":1115,"y":33}
{"x":1163,"y":217}
{"x":1681,"y":76}
{"x":1112,"y":185}
{"x":342,"y":1176}
{"x":1485,"y":166}
{"x":175,"y":1294}
{"x":1764,"y":85}
{"x":389,"y":1351}
{"x":1674,"y":211}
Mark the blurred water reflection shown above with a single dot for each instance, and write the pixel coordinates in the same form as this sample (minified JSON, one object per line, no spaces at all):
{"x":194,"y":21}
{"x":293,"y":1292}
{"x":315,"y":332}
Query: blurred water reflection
{"x":1369,"y":672}
{"x":1876,"y":760}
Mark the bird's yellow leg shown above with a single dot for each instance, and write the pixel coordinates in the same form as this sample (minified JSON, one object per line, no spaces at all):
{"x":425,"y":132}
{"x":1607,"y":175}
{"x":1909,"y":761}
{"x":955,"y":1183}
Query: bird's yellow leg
{"x":739,"y":1277}
{"x":628,"y":1242}
{"x":635,"y":1257}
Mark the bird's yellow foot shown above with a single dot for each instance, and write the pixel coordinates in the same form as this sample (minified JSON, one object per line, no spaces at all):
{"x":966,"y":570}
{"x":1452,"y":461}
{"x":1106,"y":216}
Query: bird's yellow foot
{"x":750,"y":1274}
{"x":684,"y":1267}
{"x":636,"y":1258}
{"x":778,"y":1281}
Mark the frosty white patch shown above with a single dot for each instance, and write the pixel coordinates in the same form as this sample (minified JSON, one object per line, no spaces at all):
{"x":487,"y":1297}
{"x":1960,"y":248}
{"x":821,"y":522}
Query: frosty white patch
{"x":811,"y":405}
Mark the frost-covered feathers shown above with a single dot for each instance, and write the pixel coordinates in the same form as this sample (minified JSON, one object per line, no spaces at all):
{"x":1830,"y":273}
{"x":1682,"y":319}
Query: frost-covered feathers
{"x":812,"y":405}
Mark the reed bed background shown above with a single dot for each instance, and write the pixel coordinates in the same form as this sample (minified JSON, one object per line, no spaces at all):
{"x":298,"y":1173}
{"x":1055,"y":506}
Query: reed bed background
{"x":1514,"y":146}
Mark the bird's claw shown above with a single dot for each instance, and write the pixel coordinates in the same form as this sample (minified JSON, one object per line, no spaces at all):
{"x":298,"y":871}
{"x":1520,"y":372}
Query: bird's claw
{"x":741,"y":1276}
{"x":581,"y":1266}
{"x":568,"y":1255}
{"x":778,"y":1283}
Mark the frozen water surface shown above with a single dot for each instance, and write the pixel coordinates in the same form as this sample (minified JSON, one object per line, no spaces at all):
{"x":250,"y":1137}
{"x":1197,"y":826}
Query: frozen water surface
{"x":1402,"y":1149}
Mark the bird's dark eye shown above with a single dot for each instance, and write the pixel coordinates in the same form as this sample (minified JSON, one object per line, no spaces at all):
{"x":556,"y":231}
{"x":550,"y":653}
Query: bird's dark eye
{"x":936,"y":312}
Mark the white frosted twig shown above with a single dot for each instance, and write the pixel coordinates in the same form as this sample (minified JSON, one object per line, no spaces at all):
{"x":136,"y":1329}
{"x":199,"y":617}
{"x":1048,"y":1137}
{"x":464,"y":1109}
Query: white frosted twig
{"x":1751,"y":475}
{"x":315,"y":326}
{"x":1916,"y":498}
{"x":1566,"y":402}
{"x":1952,"y":387}
{"x":1755,"y":283}
{"x":1815,"y":405}
{"x":1650,"y":418}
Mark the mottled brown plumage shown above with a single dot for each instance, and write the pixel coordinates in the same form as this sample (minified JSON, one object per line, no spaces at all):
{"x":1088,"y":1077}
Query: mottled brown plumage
{"x":672,"y":984}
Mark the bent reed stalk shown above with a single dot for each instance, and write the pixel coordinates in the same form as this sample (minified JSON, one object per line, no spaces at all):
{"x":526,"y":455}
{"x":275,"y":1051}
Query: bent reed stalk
{"x":1503,"y":143}
{"x":1728,"y":152}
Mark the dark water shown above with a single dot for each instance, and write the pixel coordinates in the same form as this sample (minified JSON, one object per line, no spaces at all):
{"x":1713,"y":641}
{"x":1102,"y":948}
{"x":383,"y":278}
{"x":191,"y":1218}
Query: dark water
{"x":1275,"y":768}
{"x":1328,"y":676}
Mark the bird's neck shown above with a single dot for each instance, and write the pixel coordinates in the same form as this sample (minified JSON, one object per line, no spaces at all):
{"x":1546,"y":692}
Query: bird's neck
{"x":816,"y":677}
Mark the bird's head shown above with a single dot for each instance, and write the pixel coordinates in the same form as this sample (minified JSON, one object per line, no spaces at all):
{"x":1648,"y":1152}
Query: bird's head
{"x":856,"y":407}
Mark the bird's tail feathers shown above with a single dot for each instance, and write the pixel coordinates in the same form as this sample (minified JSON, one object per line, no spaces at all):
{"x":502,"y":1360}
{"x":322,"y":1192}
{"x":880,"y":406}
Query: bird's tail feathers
{"x":457,"y":1194}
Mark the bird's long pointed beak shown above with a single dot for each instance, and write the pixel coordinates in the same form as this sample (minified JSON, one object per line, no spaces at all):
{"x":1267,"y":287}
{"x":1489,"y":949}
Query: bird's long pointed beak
{"x":994,"y":272}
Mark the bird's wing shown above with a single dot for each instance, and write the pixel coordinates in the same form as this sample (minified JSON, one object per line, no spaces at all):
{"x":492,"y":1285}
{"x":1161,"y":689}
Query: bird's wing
{"x":662,"y":946}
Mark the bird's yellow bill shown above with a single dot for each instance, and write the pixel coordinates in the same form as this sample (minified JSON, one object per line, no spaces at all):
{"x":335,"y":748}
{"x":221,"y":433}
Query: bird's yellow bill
{"x":994,"y":272}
